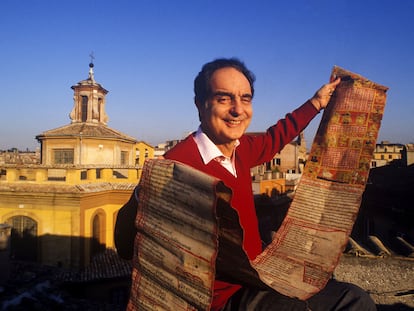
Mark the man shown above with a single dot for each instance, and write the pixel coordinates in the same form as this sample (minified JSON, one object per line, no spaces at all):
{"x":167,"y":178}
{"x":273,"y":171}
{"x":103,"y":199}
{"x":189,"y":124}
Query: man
{"x":224,"y":90}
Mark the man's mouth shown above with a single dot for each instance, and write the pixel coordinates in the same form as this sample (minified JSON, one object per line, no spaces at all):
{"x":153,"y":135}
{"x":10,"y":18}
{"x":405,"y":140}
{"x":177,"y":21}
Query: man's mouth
{"x":234,"y":122}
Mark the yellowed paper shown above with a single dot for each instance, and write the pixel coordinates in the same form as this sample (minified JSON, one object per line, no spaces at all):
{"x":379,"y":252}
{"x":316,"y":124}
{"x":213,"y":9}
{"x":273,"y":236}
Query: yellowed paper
{"x":315,"y":231}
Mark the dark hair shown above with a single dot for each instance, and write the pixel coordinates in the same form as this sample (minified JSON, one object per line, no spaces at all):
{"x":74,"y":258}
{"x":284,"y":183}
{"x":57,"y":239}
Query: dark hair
{"x":202,"y":82}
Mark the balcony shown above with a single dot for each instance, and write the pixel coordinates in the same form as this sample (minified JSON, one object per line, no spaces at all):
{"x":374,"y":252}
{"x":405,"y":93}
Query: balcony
{"x":68,"y":174}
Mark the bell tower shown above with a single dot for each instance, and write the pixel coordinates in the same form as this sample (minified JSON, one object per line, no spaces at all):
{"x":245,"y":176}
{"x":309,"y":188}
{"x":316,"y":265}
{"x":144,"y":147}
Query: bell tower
{"x":89,"y":101}
{"x":87,"y":140}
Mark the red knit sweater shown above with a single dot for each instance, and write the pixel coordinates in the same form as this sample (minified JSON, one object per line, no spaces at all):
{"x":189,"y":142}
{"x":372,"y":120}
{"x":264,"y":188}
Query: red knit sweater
{"x":252,"y":151}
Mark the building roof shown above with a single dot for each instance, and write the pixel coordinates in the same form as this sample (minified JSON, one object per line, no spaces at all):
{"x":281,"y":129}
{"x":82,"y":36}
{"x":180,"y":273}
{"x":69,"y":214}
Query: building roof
{"x":409,"y":147}
{"x":106,"y":265}
{"x":64,"y":188}
{"x":86,"y":130}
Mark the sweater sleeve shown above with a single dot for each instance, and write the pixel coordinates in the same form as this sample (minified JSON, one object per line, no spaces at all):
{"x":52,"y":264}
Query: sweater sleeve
{"x":262,"y":148}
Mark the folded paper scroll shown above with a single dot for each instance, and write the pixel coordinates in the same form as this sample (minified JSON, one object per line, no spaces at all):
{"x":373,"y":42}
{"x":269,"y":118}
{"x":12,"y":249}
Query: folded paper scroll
{"x":188,"y":232}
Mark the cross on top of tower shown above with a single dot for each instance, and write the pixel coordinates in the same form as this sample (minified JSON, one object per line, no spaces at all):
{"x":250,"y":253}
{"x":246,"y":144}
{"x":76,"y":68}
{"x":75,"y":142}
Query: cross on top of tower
{"x":92,"y":56}
{"x":91,"y":77}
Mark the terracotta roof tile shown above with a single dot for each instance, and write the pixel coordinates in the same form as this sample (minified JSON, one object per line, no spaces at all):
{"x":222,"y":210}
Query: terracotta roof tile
{"x":88,"y":130}
{"x":106,"y":265}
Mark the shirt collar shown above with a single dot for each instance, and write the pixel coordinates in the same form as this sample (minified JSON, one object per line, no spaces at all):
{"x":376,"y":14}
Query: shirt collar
{"x":208,"y":150}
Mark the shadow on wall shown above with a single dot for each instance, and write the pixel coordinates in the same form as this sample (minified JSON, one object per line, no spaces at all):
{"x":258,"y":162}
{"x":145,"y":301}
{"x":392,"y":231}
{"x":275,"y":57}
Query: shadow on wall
{"x":52,"y":250}
{"x":79,"y":271}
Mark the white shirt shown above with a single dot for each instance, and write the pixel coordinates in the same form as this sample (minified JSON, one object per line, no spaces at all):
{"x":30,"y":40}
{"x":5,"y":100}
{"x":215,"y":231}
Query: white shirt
{"x":209,"y":152}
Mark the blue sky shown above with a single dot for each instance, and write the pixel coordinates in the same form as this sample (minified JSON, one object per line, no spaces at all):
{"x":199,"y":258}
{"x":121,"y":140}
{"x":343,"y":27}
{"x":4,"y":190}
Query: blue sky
{"x":147,"y":53}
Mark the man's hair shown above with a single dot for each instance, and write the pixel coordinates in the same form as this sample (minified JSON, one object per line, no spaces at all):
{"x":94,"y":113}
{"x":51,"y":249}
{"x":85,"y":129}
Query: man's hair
{"x":202,"y":89}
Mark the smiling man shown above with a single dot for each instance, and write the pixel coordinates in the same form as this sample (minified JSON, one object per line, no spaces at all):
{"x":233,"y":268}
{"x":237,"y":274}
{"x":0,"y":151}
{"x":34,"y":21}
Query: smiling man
{"x":224,"y":90}
{"x":227,"y":111}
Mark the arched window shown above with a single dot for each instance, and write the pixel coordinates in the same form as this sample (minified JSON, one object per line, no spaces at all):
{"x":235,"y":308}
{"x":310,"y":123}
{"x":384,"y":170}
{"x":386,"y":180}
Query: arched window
{"x":23,"y":240}
{"x":84,"y":108}
{"x":98,"y":234}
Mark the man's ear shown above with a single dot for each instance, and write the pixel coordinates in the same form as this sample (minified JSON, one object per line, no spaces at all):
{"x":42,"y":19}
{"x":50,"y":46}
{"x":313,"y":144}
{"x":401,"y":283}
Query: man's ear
{"x":199,"y":108}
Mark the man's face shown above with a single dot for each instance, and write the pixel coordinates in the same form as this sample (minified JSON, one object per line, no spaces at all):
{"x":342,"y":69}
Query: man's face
{"x":228,"y":111}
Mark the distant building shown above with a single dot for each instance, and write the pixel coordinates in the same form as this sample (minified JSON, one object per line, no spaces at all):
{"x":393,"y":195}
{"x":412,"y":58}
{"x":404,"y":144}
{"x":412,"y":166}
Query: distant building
{"x":291,"y":159}
{"x":62,"y":208}
{"x":272,"y":177}
{"x":386,"y":153}
{"x":408,"y":154}
{"x":162,"y":148}
{"x":15,"y":156}
{"x":159,"y":150}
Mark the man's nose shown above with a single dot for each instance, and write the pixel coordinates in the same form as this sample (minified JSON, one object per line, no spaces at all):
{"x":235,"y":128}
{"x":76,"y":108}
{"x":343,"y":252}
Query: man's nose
{"x":237,"y":106}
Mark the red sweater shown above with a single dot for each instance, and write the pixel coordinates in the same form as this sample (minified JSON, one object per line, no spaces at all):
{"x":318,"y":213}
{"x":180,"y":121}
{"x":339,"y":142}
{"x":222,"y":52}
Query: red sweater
{"x":252,"y":151}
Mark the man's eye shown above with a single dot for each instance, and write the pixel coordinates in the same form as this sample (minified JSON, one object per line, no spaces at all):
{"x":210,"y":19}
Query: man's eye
{"x":229,"y":98}
{"x":224,"y":99}
{"x":246,"y":99}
